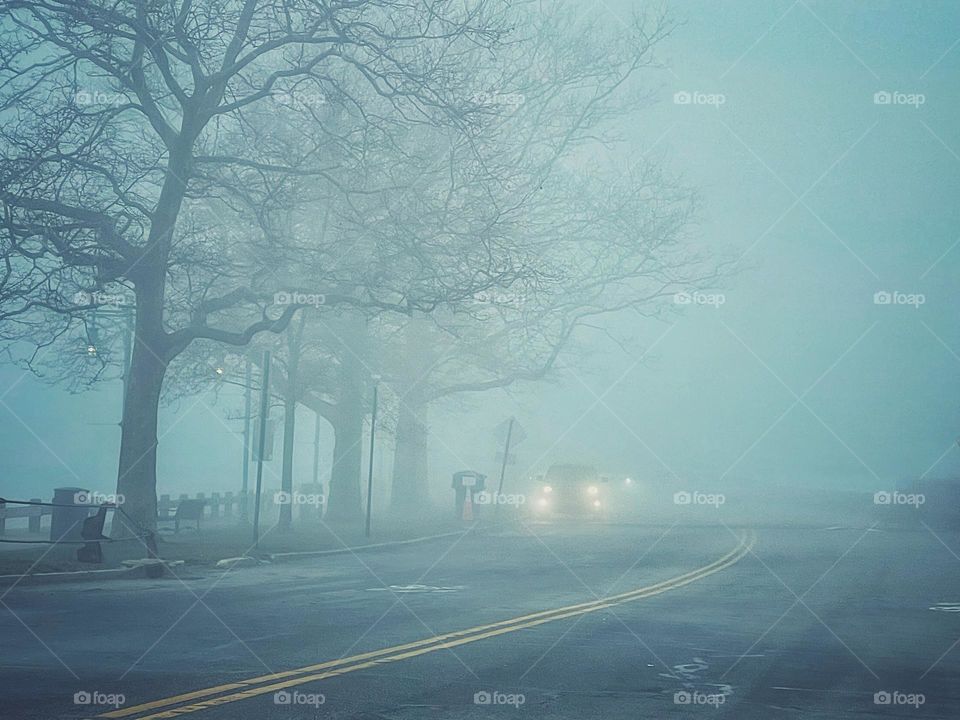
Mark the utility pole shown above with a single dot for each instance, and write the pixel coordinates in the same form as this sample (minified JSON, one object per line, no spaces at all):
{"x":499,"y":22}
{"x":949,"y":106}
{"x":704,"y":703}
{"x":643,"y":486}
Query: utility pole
{"x":261,"y":444}
{"x":503,"y":467}
{"x":373,"y":432}
{"x":247,"y":407}
{"x":316,"y":449}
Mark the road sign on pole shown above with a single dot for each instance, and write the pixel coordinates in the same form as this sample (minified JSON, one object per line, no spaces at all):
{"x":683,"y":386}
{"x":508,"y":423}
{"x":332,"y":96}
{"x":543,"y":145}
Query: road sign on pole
{"x":512,"y":426}
{"x":517,"y":434}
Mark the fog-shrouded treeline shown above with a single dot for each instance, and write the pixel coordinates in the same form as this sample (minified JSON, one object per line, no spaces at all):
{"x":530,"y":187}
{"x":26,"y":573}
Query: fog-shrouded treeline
{"x":388,"y":190}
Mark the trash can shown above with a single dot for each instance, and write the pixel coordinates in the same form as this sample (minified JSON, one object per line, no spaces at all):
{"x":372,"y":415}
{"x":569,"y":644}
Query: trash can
{"x":66,"y":523}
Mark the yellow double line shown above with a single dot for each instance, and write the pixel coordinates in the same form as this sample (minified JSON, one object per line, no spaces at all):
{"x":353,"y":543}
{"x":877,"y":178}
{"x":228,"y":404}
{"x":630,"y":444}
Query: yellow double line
{"x":203,"y":699}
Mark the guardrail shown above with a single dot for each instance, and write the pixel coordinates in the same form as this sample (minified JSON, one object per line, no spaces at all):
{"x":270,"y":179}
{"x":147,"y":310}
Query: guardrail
{"x":33,"y":513}
{"x":216,"y":505}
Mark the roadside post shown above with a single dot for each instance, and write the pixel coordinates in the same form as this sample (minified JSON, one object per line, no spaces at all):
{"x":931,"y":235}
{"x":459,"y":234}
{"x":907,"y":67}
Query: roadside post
{"x":247,"y":406}
{"x":373,"y":432}
{"x":514,"y":436}
{"x":261,"y":443}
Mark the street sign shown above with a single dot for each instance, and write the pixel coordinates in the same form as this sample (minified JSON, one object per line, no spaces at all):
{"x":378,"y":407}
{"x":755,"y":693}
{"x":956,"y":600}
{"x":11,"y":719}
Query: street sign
{"x":516,"y":437}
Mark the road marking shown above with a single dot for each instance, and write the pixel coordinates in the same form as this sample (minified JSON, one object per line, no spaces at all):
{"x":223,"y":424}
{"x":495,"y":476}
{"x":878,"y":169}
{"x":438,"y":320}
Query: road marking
{"x":290,"y":678}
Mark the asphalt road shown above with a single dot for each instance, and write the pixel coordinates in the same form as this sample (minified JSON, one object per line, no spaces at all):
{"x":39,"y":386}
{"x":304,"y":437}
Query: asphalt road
{"x":547,"y":622}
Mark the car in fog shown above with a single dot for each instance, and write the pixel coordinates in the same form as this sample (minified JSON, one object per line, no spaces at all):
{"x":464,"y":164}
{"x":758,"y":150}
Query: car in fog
{"x":577,"y":491}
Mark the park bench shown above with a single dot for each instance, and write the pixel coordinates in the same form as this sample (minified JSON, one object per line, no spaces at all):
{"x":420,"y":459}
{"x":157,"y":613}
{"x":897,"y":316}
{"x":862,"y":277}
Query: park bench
{"x":188,"y":510}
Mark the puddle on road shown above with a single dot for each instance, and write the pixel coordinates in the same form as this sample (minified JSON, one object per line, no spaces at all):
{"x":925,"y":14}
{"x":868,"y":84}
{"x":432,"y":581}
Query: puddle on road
{"x":417,"y":589}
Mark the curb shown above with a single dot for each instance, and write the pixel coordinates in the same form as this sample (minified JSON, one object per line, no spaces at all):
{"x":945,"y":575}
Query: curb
{"x":50,"y":578}
{"x":305,"y":554}
{"x":140,"y":571}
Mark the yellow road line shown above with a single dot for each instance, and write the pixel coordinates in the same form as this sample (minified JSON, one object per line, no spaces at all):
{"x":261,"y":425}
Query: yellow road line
{"x":362,"y":661}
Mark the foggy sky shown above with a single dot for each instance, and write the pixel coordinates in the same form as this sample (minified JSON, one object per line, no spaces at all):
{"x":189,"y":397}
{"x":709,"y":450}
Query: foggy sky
{"x":716,"y":396}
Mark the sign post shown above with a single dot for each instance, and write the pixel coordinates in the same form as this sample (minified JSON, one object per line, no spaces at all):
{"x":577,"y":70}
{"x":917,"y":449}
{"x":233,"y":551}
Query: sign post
{"x":261,"y":441}
{"x":373,"y":432}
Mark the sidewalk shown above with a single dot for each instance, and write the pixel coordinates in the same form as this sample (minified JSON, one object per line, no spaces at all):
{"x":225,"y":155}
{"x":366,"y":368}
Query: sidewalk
{"x":221,"y":539}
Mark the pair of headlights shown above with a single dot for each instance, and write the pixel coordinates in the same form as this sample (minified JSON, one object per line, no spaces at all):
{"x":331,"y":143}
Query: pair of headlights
{"x":592,"y":490}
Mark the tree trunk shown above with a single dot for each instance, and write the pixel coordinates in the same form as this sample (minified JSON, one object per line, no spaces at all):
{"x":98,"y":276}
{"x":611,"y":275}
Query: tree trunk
{"x":344,"y":492}
{"x":286,"y":474}
{"x":409,"y":487}
{"x":290,"y":396}
{"x":137,"y":467}
{"x":137,"y":471}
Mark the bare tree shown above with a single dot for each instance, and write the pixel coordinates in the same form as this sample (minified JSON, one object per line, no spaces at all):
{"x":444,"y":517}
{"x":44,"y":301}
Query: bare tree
{"x":622,"y":248}
{"x":120,"y":117}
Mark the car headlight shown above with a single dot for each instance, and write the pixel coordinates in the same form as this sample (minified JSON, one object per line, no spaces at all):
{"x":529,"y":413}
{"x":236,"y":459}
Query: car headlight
{"x":547,"y":489}
{"x":596,"y":504}
{"x":593,"y":490}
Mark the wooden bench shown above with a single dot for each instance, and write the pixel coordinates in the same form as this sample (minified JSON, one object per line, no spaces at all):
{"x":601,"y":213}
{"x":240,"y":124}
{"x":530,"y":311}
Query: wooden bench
{"x":187,"y":511}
